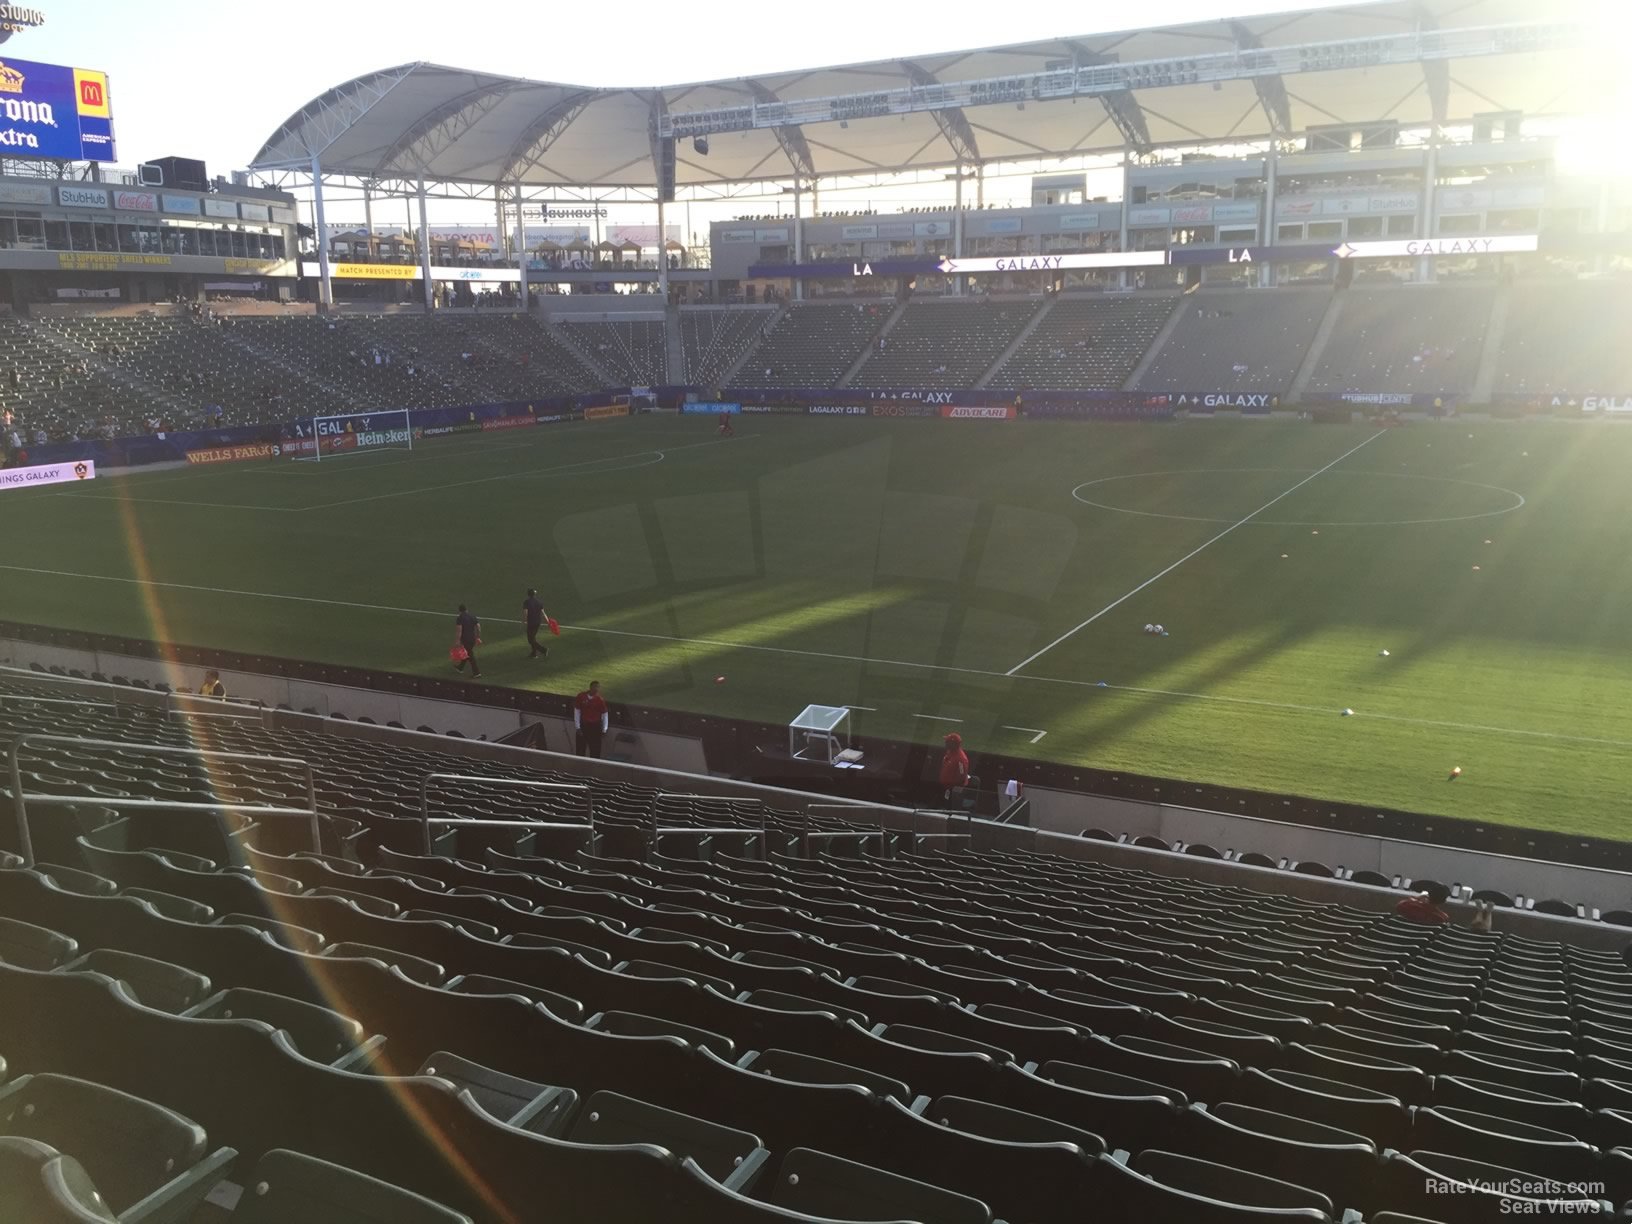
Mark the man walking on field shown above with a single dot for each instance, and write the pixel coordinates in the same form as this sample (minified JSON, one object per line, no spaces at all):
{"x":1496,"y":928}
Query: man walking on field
{"x":589,"y":716}
{"x":467,"y":632}
{"x":533,"y":611}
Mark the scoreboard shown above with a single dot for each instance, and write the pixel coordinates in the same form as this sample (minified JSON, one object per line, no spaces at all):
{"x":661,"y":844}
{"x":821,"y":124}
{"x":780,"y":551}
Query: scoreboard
{"x":47,"y":110}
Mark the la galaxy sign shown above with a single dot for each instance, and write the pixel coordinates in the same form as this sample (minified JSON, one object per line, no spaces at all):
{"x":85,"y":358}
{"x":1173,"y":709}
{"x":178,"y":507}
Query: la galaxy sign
{"x":15,"y":18}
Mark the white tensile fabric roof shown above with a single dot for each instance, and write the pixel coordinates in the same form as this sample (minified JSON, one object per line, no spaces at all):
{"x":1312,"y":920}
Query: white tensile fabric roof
{"x":458,"y":125}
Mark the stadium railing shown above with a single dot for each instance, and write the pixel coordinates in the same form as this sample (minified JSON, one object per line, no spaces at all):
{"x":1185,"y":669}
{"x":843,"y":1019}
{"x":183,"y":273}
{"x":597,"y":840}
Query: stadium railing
{"x":21,"y":799}
{"x":427,"y":820}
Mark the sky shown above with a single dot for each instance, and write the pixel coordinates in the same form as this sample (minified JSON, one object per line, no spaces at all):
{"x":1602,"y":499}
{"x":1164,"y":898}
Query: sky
{"x":214,"y":78}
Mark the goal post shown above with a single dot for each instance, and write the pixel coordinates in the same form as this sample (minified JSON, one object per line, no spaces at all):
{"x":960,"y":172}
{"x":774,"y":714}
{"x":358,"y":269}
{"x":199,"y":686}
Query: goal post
{"x":360,"y":433}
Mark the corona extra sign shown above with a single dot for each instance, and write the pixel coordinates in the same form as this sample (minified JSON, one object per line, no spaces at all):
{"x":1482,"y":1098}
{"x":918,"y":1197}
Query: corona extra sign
{"x":50,"y":111}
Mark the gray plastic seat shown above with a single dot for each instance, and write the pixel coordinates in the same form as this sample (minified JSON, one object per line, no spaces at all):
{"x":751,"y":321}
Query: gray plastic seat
{"x":286,"y":1186}
{"x":130,"y":1148}
{"x":480,"y":984}
{"x":730,"y":1156}
{"x":42,"y":1186}
{"x":155,"y":983}
{"x":823,"y":1185}
{"x":182,"y":909}
{"x":319,"y":1034}
{"x":415,"y":968}
{"x":34,"y":947}
{"x":530,"y":1106}
{"x":795,"y":1068}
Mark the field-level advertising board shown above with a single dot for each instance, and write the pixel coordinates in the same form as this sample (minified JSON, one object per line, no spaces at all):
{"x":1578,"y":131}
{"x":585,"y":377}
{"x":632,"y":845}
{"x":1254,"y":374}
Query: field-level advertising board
{"x":1493,"y":244}
{"x":41,"y":474}
{"x":52,"y":111}
{"x":359,"y":433}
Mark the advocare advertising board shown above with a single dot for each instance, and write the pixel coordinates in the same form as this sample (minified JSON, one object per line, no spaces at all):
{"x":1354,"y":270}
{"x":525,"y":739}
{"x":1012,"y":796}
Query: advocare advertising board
{"x":48,"y":110}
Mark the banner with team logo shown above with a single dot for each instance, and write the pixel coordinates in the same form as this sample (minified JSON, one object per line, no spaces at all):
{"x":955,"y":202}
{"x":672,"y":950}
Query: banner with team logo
{"x":46,"y":474}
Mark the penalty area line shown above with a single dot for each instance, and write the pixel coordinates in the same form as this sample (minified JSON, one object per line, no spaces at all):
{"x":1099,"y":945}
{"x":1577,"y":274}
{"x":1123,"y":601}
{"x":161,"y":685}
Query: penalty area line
{"x":1032,"y":731}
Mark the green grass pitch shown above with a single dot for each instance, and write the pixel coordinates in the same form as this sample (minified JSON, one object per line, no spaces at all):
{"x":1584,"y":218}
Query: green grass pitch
{"x":910,"y":567}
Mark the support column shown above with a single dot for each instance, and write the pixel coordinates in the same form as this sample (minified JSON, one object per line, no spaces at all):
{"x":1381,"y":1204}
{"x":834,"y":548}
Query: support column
{"x":425,"y":249}
{"x":1127,"y":196}
{"x":501,"y":229}
{"x":325,"y":286}
{"x":368,"y":211}
{"x":662,"y":257}
{"x":1429,"y":176}
{"x":1605,"y":202}
{"x":1266,"y":223}
{"x":521,"y":248}
{"x":957,"y":225}
{"x":798,"y":238}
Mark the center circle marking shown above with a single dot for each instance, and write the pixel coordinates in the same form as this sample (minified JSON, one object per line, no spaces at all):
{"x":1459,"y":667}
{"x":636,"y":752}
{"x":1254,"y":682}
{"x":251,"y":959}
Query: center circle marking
{"x":1518,"y":499}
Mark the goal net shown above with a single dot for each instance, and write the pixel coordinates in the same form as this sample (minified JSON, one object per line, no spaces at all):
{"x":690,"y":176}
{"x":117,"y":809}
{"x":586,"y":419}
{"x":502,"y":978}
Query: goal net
{"x":360,"y":433}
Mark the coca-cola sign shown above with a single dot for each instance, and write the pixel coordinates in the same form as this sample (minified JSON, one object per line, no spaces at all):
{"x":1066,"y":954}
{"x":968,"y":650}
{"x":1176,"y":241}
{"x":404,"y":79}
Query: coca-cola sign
{"x":136,"y":201}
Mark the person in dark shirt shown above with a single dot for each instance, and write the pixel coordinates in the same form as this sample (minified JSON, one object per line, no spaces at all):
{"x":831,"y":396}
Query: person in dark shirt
{"x":534,"y":616}
{"x":212,"y":686}
{"x":467,"y":632}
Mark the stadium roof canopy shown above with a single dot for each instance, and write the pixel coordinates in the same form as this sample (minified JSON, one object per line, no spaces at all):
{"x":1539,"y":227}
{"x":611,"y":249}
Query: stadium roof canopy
{"x":1212,"y":81}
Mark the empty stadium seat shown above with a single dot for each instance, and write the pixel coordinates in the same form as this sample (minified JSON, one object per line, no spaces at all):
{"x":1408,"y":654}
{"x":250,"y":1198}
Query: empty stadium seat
{"x":286,"y":1186}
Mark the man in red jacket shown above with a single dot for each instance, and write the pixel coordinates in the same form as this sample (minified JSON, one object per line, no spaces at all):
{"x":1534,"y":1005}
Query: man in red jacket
{"x":590,"y":717}
{"x":1426,"y":908}
{"x":954,"y":765}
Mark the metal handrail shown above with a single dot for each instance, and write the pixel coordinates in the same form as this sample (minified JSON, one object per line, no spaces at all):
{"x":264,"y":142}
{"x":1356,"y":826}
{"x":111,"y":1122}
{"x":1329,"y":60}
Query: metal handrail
{"x":427,"y":820}
{"x":93,"y":705}
{"x":968,"y":819}
{"x":764,"y":815}
{"x":807,"y":835}
{"x":240,"y":707}
{"x":21,"y":801}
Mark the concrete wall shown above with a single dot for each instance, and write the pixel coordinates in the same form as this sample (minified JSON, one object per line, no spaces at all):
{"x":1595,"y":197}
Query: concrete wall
{"x":674,"y":763}
{"x":1070,"y":813}
{"x":472,"y":721}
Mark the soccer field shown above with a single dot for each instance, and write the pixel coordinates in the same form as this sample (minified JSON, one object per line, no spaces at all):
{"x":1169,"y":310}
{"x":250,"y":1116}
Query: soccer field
{"x":988,"y":577}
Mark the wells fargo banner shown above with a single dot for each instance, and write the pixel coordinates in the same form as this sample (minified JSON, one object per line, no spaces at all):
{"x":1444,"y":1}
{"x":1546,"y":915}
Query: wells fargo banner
{"x":235,"y":454}
{"x":606,"y":411}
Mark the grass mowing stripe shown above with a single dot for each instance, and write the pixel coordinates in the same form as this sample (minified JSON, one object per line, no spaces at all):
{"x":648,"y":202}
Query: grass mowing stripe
{"x":1138,"y":690}
{"x":1116,"y":603}
{"x":460,"y":484}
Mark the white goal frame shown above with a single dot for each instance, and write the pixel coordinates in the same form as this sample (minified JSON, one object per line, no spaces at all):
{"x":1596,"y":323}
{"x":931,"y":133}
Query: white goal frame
{"x":385,"y":421}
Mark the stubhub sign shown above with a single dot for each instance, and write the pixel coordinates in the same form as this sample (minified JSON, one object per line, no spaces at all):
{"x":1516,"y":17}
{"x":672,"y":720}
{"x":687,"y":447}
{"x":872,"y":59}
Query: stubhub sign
{"x":46,"y":474}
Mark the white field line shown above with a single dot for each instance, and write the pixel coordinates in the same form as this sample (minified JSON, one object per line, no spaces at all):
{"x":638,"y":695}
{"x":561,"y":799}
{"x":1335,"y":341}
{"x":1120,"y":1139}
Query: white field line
{"x":531,"y":472}
{"x":938,"y":718}
{"x":1138,"y":690}
{"x":1242,"y":522}
{"x":1032,"y":731}
{"x":661,"y":455}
